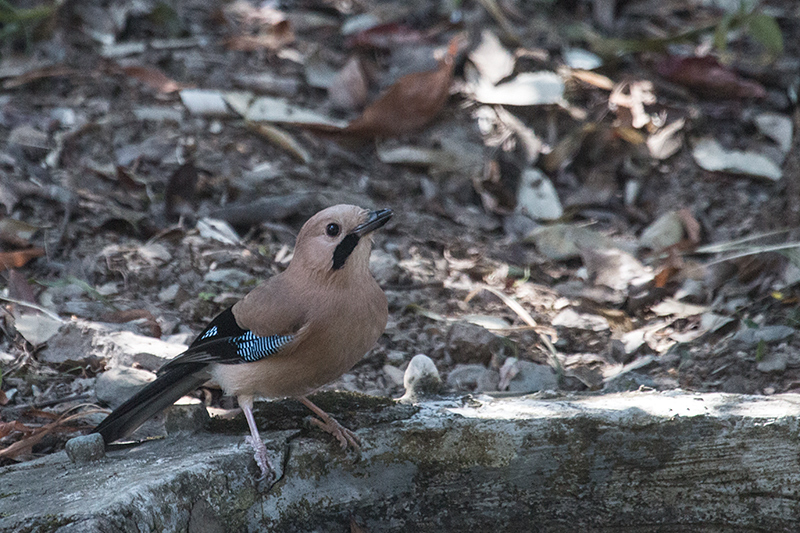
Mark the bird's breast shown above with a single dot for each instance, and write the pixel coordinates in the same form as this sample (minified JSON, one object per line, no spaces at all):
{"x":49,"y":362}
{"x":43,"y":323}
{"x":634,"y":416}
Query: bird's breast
{"x":342,"y":327}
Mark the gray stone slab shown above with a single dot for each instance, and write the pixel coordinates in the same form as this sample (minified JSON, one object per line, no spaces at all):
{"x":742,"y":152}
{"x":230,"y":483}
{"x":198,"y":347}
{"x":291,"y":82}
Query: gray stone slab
{"x":630,"y":461}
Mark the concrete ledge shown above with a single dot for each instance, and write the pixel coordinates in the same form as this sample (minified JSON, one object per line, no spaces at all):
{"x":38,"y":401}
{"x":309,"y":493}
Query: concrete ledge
{"x":634,"y":461}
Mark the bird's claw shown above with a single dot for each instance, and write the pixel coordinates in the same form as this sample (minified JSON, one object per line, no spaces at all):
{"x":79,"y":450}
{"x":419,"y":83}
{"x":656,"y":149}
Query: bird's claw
{"x":345,"y":436}
{"x":262,"y":460}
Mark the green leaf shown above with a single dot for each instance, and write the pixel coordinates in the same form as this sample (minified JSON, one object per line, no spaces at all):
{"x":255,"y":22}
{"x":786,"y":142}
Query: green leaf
{"x":721,"y":32}
{"x":760,"y":349}
{"x":766,"y":31}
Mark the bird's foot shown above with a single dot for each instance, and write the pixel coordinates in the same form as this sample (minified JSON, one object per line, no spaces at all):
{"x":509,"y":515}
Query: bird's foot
{"x":262,"y":460}
{"x":345,"y":436}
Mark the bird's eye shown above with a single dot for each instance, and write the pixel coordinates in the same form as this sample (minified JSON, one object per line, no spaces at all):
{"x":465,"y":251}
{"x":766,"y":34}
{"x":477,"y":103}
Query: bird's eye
{"x":332,"y":230}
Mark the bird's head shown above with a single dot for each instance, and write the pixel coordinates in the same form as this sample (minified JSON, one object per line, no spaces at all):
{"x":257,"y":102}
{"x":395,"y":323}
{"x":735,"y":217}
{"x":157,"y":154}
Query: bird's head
{"x":337,"y":240}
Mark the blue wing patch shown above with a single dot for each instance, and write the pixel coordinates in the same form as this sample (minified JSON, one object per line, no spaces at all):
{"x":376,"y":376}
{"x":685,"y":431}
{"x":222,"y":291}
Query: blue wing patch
{"x":250,"y":347}
{"x":225,"y":342}
{"x":210,"y":333}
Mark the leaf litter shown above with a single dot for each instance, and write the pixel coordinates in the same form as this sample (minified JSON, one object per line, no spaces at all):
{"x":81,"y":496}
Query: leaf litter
{"x":587,"y":198}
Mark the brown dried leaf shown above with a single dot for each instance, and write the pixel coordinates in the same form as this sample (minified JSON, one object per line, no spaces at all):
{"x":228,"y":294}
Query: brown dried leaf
{"x":355,"y":528}
{"x":257,"y":27}
{"x":19,"y":258}
{"x":691,"y":226}
{"x":180,"y":190}
{"x":385,"y":37}
{"x":410,"y":104}
{"x":706,"y":76}
{"x":273,"y":39}
{"x":51,"y":71}
{"x":25,"y":445}
{"x":120,"y":317}
{"x":153,"y":78}
{"x":6,"y":428}
{"x":19,"y":288}
{"x":592,"y":78}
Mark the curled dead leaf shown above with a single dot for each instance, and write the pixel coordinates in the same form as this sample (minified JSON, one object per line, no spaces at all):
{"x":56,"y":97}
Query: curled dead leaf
{"x":50,"y":71}
{"x":120,"y":317}
{"x":6,"y":428}
{"x":19,"y":258}
{"x":153,"y":78}
{"x":410,"y":104}
{"x":705,"y":75}
{"x":384,"y":37}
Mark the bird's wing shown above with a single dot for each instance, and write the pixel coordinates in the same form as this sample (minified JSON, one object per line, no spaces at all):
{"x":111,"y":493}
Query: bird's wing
{"x":261,"y":324}
{"x":224,"y":341}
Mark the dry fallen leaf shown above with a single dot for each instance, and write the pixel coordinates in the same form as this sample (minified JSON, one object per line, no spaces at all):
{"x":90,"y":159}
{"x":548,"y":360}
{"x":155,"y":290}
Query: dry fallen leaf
{"x":408,"y":105}
{"x":153,"y":78}
{"x":258,"y":27}
{"x":6,"y":428}
{"x":19,"y":258}
{"x":51,"y":71}
{"x":34,"y":435}
{"x":19,"y":288}
{"x":120,"y":317}
{"x":355,"y":527}
{"x":707,"y":77}
{"x":273,"y":38}
{"x":180,"y":191}
{"x":385,"y":37}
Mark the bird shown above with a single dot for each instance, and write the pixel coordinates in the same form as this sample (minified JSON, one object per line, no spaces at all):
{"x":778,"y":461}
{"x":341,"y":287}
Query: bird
{"x":289,"y":336}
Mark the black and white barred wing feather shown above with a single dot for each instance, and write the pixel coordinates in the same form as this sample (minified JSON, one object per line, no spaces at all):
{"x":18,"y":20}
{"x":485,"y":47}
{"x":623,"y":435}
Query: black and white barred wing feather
{"x":222,"y":342}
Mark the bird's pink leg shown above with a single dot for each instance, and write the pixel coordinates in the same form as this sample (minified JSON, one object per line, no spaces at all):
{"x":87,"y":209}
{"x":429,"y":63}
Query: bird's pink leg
{"x":330,"y":425}
{"x":262,"y":460}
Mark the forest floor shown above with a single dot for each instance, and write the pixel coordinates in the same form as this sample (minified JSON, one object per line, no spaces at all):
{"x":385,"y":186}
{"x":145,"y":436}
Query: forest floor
{"x":586,"y":196}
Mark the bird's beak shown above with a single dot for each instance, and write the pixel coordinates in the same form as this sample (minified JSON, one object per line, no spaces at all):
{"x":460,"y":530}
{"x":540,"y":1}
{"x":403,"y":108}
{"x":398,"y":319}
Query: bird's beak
{"x":375,"y":220}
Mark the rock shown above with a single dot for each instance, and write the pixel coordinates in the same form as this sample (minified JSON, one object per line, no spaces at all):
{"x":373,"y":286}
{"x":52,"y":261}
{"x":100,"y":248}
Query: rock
{"x":532,"y":377}
{"x":394,"y":374}
{"x":566,"y":463}
{"x":118,"y":384}
{"x":489,"y":381}
{"x":581,"y":332}
{"x":667,"y":230}
{"x":773,"y":361}
{"x":629,"y":381}
{"x":466,"y":377}
{"x":232,"y":277}
{"x":421,"y":378}
{"x":468,"y":343}
{"x":83,"y":342}
{"x":571,"y":319}
{"x":186,"y":418}
{"x":396,"y":357}
{"x":86,"y":448}
{"x":384,"y":267}
{"x":752,"y":336}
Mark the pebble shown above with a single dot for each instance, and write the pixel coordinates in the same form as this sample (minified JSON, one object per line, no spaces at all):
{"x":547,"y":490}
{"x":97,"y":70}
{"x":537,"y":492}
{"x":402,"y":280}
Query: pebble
{"x":85,"y":448}
{"x":421,"y":378}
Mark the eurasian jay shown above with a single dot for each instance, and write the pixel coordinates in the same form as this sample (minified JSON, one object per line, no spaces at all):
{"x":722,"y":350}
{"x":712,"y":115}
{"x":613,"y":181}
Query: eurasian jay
{"x":289,"y":336}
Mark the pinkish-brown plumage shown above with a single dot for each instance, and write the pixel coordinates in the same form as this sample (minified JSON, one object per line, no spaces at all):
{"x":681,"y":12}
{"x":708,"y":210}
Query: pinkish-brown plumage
{"x":311,"y":324}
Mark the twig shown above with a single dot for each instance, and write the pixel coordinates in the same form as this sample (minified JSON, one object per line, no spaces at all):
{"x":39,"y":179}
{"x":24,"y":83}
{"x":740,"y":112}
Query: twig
{"x":50,"y":403}
{"x":33,"y":306}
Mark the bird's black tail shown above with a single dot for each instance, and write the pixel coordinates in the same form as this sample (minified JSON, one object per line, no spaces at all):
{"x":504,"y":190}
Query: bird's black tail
{"x":154,"y":397}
